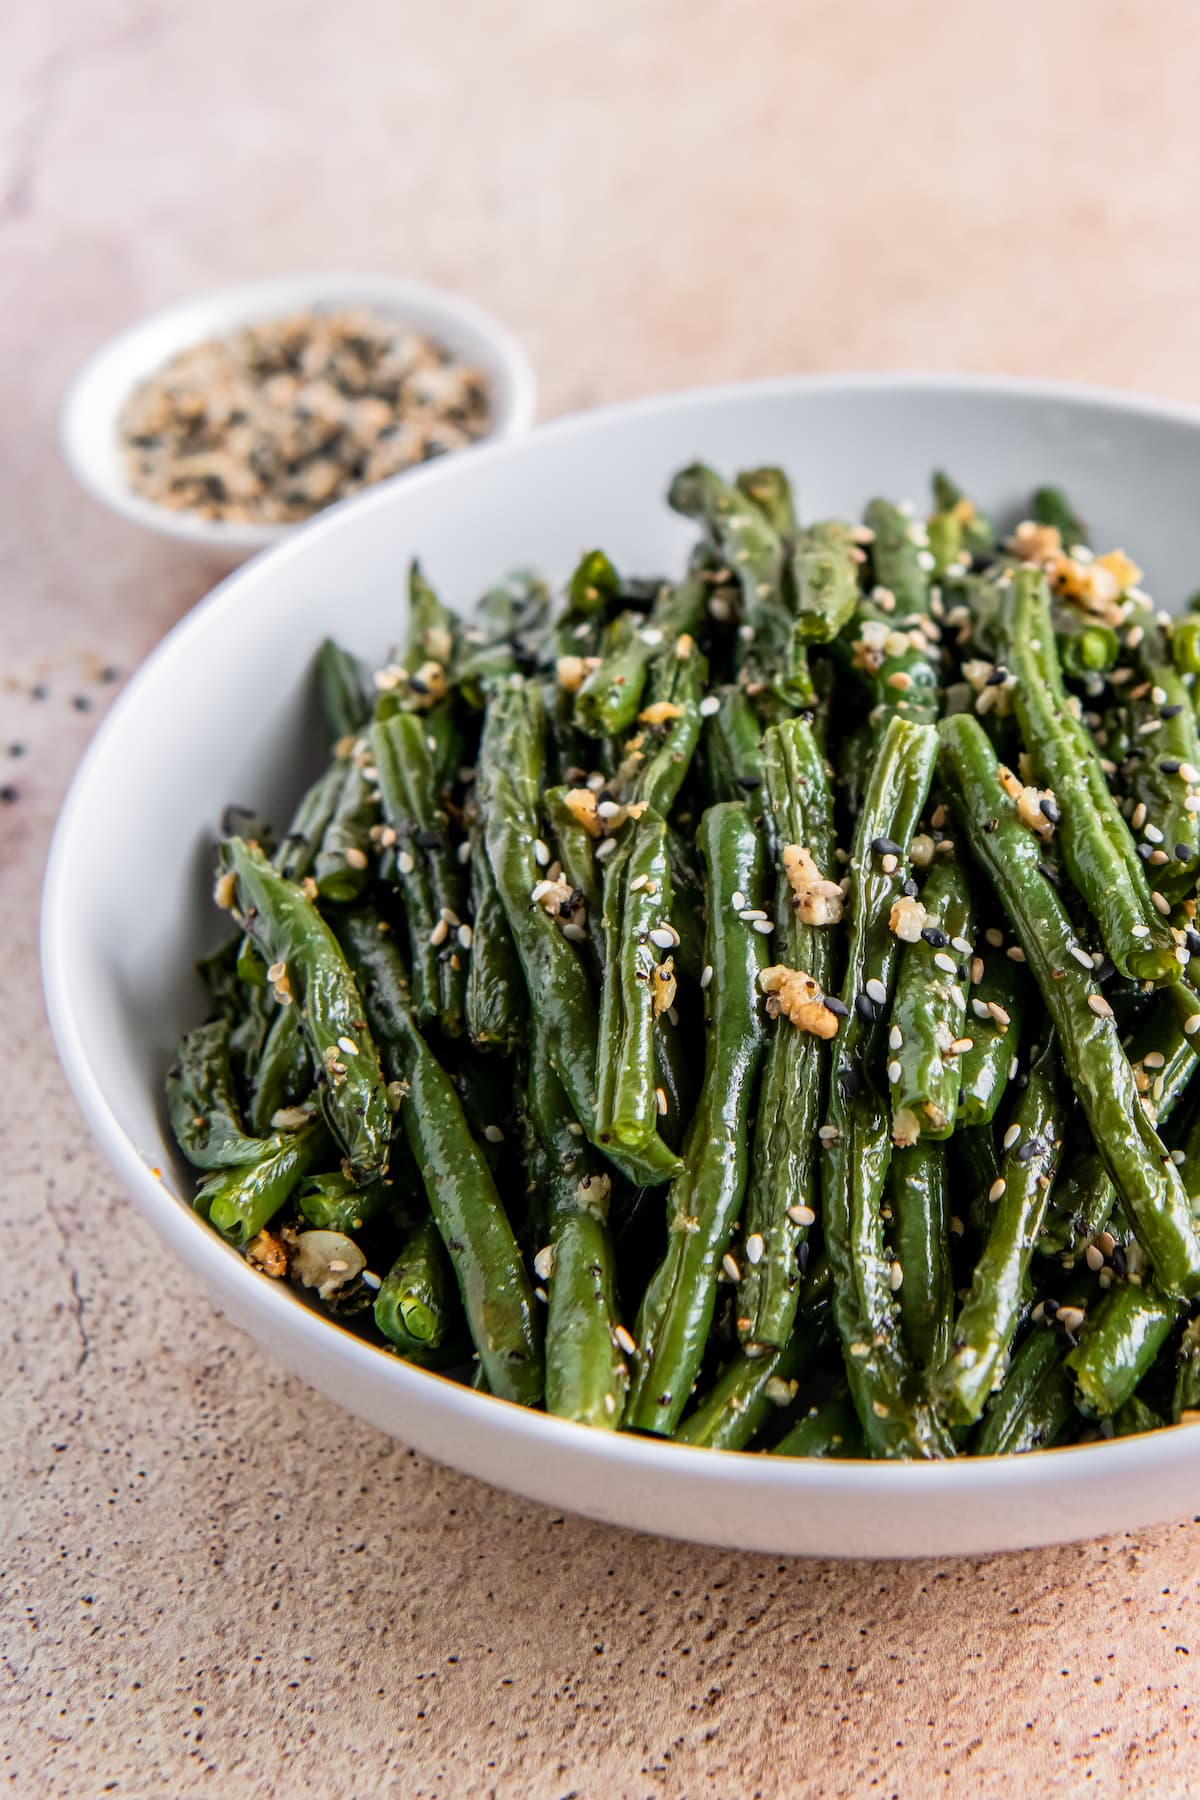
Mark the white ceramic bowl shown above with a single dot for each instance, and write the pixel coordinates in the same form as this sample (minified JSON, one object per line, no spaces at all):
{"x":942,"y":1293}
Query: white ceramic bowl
{"x":92,"y":405}
{"x":216,"y":715}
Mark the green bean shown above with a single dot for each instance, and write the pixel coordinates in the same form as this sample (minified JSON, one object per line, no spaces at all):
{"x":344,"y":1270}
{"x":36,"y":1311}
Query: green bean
{"x":678,"y":1305}
{"x":896,"y":557}
{"x":343,"y":691}
{"x":576,"y":850}
{"x":1134,"y":1418}
{"x":1119,"y":1341}
{"x":496,"y":1001}
{"x":496,"y":1294}
{"x":984,"y":1328}
{"x":1186,"y":1397}
{"x":1051,"y":507}
{"x":917,"y":1195}
{"x":1085,"y":647}
{"x":768,"y":653}
{"x":240,"y":1202}
{"x":412,"y":1307}
{"x":202,"y":1102}
{"x":830,"y":1429}
{"x":771,"y":492}
{"x":1010,"y":855}
{"x":978,"y":534}
{"x":781,"y":1198}
{"x":732,"y":747}
{"x":1185,"y":648}
{"x":994,"y":1027}
{"x":608,"y":701}
{"x":929,"y":1012}
{"x":291,"y":933}
{"x":298,"y":847}
{"x":343,"y":858}
{"x":894,"y":1418}
{"x":337,"y":1203}
{"x":430,"y":875}
{"x":1036,"y":1405}
{"x":284,"y":1076}
{"x":824,"y":569}
{"x":501,"y":636}
{"x":1096,"y":844}
{"x":750,"y":1391}
{"x":664,"y":751}
{"x":586,"y":1372}
{"x":637,"y":980}
{"x":1159,"y":772}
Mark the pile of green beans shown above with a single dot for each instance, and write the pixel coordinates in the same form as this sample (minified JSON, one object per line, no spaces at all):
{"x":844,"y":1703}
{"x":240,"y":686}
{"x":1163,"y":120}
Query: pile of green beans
{"x":753,"y":1007}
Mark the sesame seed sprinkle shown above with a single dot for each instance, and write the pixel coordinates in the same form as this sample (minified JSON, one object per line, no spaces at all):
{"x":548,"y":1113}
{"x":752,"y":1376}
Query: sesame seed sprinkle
{"x":706,"y":975}
{"x":1010,"y":1137}
{"x":1100,"y":1006}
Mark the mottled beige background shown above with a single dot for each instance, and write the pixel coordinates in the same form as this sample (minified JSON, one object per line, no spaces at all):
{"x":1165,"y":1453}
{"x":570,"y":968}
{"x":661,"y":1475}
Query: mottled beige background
{"x":212,"y":1583}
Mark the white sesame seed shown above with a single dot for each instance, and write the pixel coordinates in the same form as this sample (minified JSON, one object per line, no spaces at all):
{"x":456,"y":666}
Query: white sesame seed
{"x":764,"y":927}
{"x":1095,"y":1258}
{"x":493,"y":1134}
{"x":451,"y":917}
{"x":709,"y":705}
{"x":995,"y":938}
{"x":998,"y":1189}
{"x":277,"y":971}
{"x":661,"y":1101}
{"x":348,"y":1046}
{"x":662,"y":940}
{"x":946,"y":963}
{"x":1152,"y":835}
{"x":1100,"y":1006}
{"x":405,"y":863}
{"x":1138,"y":816}
{"x":465,"y":936}
{"x":539,"y":1293}
{"x":1163,"y":905}
{"x":706,"y":975}
{"x":957,"y":995}
{"x":1179,"y":1157}
{"x":749,"y":913}
{"x":802,"y":1215}
{"x":1010,"y":1137}
{"x":541,"y":851}
{"x":1189,"y":773}
{"x":607,"y":809}
{"x":893,"y":1072}
{"x":737,"y":899}
{"x":464,"y":851}
{"x":543,"y":1262}
{"x":998,"y":1013}
{"x":828,"y":1134}
{"x":605,"y":848}
{"x":876,"y":991}
{"x":626,"y":1341}
{"x":754,"y":1247}
{"x":1013,"y":1066}
{"x":1081,"y":957}
{"x":962,"y":946}
{"x":895,"y":1038}
{"x":1015,"y":953}
{"x":980,"y":1009}
{"x":440,"y":933}
{"x":730,"y":1268}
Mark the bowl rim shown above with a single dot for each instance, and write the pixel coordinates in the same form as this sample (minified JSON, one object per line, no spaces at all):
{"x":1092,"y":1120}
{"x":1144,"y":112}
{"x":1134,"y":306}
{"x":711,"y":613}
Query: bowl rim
{"x":152,"y":337}
{"x":218,"y":1265}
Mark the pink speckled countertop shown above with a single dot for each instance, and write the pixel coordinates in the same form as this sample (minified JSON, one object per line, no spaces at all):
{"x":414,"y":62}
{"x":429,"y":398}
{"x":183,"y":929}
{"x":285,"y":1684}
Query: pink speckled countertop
{"x":213,"y":1583}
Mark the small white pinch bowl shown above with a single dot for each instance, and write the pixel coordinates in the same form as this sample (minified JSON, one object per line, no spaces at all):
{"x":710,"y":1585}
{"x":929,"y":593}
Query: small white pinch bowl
{"x":91,"y":409}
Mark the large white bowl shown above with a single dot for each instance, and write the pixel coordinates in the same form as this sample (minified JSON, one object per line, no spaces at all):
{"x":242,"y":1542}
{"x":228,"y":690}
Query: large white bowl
{"x":219,"y":713}
{"x":91,"y":408}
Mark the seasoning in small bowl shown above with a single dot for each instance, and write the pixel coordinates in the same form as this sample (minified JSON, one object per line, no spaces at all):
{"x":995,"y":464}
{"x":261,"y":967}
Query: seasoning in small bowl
{"x":278,"y":419}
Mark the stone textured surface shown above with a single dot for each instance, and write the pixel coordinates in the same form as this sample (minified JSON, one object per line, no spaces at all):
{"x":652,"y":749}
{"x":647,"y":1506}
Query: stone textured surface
{"x":212,"y":1584}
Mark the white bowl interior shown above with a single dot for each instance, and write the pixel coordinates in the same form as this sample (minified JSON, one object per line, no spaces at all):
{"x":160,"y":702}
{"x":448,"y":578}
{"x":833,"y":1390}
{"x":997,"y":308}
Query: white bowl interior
{"x":222,"y":712}
{"x":88,"y":425}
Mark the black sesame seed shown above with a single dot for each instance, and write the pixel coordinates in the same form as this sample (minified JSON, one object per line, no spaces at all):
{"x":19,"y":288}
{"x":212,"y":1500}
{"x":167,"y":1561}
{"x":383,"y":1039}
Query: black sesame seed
{"x":1118,"y":1261}
{"x":1169,"y":712}
{"x":910,"y":889}
{"x":1049,"y":871}
{"x":1145,"y":851}
{"x":750,"y":782}
{"x":1185,"y":852}
{"x":990,"y":825}
{"x":1170,"y":766}
{"x":1050,"y":809}
{"x":234,"y":817}
{"x":1191,"y":938}
{"x":851,"y":1083}
{"x":998,"y":676}
{"x":884,"y":846}
{"x":16,"y":749}
{"x":933,"y":936}
{"x":837,"y":1007}
{"x":865,"y":1007}
{"x":1028,"y":1149}
{"x":803,"y":1252}
{"x":110,"y":673}
{"x":428,"y":840}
